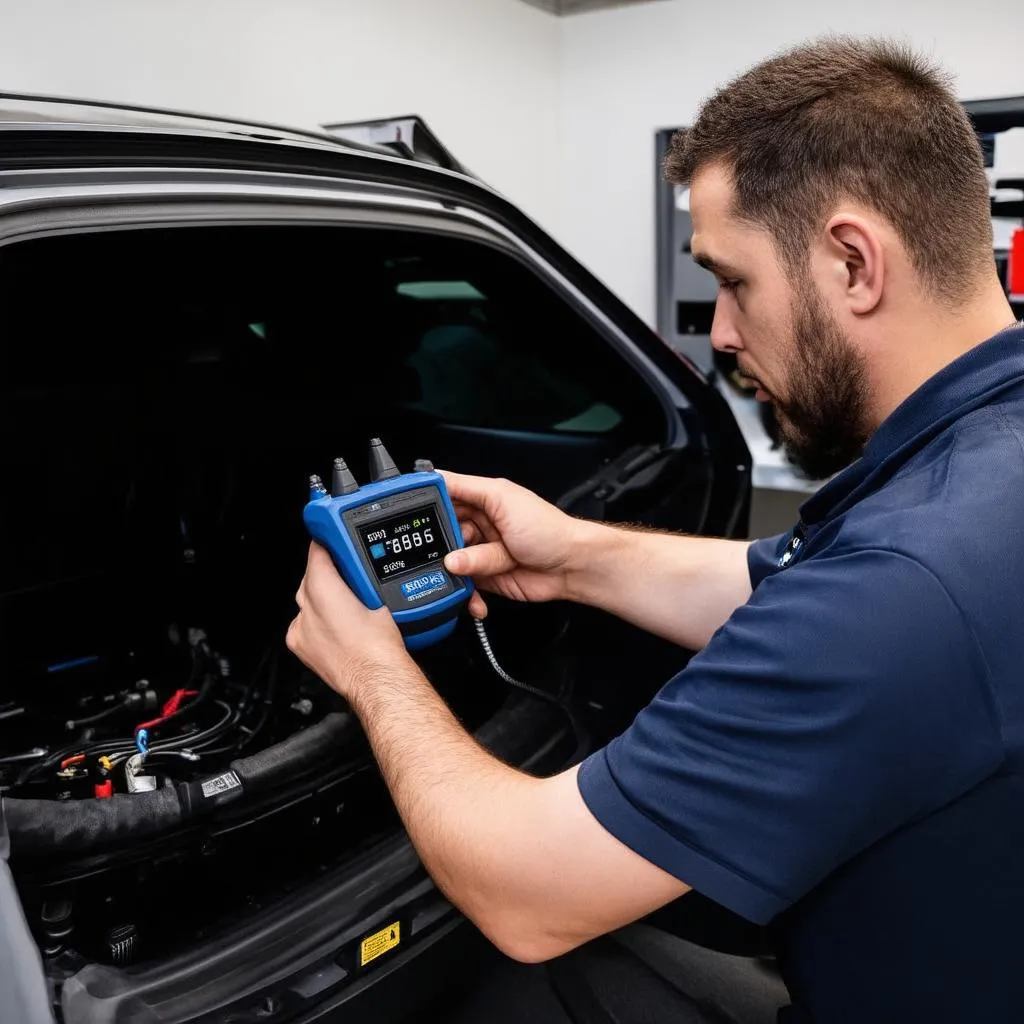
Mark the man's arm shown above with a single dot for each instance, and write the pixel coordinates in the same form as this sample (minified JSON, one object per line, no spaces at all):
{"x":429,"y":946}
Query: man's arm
{"x":780,"y":753}
{"x":520,"y":546}
{"x":522,"y":857}
{"x":681,"y":588}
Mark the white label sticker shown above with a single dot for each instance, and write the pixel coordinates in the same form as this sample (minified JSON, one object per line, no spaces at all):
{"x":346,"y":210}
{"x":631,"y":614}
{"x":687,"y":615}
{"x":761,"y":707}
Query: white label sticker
{"x":220,"y":784}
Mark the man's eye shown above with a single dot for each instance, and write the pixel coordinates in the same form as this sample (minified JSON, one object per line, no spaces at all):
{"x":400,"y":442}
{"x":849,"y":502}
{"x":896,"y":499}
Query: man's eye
{"x":729,"y":285}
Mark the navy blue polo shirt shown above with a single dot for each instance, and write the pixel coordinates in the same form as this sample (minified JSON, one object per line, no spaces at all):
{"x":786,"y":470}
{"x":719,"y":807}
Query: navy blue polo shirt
{"x":845,"y":758}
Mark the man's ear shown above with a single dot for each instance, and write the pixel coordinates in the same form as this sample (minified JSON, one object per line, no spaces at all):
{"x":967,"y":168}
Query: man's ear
{"x":857,"y":257}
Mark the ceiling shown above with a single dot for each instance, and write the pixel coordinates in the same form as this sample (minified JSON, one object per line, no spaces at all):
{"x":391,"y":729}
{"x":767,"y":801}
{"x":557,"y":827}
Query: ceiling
{"x":579,"y":6}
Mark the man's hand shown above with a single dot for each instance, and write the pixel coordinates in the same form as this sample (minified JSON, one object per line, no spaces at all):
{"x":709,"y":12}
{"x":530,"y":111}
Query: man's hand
{"x":336,"y":635}
{"x":518,"y":545}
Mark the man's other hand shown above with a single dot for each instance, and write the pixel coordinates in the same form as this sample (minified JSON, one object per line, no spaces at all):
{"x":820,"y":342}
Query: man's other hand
{"x":517,"y":544}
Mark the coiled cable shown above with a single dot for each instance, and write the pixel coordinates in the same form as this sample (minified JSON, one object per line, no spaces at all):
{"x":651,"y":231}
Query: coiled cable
{"x":578,"y":732}
{"x":485,"y":643}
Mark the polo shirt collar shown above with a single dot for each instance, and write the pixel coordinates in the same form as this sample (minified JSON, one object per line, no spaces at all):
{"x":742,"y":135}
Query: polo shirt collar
{"x":971,"y":381}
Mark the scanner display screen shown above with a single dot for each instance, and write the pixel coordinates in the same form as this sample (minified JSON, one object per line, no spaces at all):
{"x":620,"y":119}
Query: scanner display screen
{"x":404,"y":542}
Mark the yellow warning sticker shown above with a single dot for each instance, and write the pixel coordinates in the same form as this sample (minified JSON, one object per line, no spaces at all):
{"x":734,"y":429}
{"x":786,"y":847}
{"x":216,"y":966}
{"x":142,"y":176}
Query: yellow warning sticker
{"x":379,"y":943}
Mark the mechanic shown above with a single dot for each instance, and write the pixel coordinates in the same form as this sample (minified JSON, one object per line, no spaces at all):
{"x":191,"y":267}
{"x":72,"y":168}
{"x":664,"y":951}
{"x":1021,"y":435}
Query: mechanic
{"x":843,"y":757}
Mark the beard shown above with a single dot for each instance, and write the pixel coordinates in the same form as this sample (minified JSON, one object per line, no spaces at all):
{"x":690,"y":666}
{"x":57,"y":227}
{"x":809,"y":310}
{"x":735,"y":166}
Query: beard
{"x":822,"y":422}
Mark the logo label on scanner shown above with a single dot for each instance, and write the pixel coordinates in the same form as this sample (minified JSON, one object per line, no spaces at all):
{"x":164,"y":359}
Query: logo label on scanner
{"x":421,"y":586}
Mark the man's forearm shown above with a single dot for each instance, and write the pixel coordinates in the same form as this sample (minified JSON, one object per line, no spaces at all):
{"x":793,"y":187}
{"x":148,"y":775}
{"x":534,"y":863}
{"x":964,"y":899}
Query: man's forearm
{"x":522,"y":857}
{"x":681,"y":588}
{"x":475,"y":822}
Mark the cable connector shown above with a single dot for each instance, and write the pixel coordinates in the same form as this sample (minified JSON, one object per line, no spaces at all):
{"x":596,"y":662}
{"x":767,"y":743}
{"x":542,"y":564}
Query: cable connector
{"x":134,"y":779}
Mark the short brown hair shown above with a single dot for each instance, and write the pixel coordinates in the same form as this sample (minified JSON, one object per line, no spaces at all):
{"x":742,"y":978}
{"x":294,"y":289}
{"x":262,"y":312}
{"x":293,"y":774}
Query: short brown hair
{"x":868,"y":120}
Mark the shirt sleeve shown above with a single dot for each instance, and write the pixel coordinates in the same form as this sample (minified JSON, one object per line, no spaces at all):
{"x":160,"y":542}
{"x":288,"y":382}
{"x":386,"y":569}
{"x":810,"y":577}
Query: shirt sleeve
{"x":845,"y":699}
{"x":763,"y":557}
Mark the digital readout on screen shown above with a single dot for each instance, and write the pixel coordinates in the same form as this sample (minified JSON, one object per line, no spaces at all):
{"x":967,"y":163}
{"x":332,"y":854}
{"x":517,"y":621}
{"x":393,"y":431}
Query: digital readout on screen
{"x":405,"y":542}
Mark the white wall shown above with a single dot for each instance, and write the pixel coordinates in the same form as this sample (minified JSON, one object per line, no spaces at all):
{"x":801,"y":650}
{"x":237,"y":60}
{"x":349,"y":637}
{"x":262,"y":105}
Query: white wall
{"x":559,"y":114}
{"x":628,"y":72}
{"x":484,"y":73}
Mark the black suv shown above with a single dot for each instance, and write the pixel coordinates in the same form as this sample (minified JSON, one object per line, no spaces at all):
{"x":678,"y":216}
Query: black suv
{"x":198,"y":314}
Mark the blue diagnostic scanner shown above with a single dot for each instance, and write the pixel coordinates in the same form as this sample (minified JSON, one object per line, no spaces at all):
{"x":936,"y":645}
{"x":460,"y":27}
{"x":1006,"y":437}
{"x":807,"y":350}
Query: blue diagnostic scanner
{"x":388,"y":540}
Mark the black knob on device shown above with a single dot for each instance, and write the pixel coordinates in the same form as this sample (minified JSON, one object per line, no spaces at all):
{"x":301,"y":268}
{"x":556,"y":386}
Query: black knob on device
{"x":342,"y":480}
{"x":382,"y":466}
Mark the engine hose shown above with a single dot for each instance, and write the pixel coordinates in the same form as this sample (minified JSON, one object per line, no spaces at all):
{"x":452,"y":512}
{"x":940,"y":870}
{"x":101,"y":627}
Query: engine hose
{"x":271,"y":767}
{"x":79,"y":826}
{"x":48,"y":826}
{"x":294,"y":755}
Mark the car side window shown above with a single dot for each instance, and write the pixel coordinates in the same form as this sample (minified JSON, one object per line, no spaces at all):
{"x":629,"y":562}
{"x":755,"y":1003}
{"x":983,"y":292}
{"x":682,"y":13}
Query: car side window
{"x":474,"y":367}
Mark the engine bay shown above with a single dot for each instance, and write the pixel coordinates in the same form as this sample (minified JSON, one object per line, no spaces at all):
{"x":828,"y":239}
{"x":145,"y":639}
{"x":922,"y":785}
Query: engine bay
{"x":90,"y":719}
{"x":160,"y":790}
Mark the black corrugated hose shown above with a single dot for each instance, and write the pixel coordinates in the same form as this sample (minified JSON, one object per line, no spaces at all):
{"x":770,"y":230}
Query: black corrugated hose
{"x":39,"y":826}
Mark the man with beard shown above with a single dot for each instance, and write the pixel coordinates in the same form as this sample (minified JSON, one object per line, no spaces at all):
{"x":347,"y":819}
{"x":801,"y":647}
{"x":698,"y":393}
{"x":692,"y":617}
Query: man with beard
{"x":844,"y":757}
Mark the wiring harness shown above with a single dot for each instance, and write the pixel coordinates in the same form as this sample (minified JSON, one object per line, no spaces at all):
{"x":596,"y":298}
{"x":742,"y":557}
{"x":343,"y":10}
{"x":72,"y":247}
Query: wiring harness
{"x":148,"y":809}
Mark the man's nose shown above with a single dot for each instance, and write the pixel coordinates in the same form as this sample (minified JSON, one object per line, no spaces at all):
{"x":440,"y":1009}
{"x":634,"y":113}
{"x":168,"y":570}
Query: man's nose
{"x":724,"y":336}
